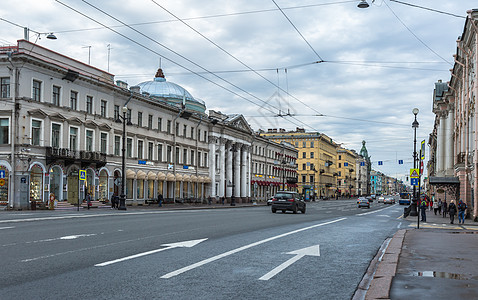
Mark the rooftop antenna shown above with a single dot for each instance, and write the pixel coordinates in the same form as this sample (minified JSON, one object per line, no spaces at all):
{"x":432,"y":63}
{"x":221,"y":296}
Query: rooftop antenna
{"x":89,"y":53}
{"x":109,"y":50}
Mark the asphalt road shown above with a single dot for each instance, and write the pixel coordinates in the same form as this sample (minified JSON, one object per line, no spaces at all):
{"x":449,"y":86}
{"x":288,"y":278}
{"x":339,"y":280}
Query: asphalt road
{"x":237,"y":253}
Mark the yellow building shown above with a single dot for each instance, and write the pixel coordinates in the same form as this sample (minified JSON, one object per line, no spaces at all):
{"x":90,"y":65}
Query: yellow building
{"x":346,"y":169}
{"x":316,"y":163}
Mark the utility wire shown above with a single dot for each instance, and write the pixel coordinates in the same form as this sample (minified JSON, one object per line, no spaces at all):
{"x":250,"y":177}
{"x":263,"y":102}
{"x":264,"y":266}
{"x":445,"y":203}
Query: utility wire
{"x":430,"y":9}
{"x":232,"y":56}
{"x":420,"y":40}
{"x":298,"y":31}
{"x":212,"y":16}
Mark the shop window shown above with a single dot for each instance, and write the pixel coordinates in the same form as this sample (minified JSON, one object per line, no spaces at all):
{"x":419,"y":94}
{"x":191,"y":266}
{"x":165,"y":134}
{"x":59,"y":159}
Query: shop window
{"x":36,"y":183}
{"x":103,"y":186}
{"x":129,"y":188}
{"x":140,"y":189}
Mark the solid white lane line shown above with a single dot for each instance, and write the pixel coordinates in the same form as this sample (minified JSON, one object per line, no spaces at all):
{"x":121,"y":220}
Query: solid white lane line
{"x":372,"y":212}
{"x":214,"y":258}
{"x":7,"y":227}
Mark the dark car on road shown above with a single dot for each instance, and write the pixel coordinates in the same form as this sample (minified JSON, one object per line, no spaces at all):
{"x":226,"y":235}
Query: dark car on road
{"x":285,"y":200}
{"x":363,"y":202}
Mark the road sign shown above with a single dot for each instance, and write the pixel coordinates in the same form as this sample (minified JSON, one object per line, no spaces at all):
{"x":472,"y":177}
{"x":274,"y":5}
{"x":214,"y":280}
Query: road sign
{"x":414,"y":173}
{"x":82,"y":174}
{"x":414,"y":181}
{"x":2,"y":173}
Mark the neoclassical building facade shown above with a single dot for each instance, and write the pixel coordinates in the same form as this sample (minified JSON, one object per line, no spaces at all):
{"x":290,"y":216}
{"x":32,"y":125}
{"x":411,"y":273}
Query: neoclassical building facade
{"x":61,"y":136}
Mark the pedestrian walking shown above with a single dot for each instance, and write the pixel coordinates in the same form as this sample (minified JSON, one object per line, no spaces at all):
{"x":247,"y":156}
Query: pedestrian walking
{"x":440,"y":204}
{"x":113,"y":201}
{"x":160,"y":200}
{"x":435,"y":207}
{"x":423,"y":207}
{"x":209,"y":200}
{"x":444,"y":208}
{"x":88,"y":200}
{"x":461,"y":212}
{"x":452,"y":211}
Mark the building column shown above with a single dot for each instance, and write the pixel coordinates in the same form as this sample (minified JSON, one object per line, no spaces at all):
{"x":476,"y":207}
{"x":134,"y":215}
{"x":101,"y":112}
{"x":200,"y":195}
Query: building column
{"x":440,"y":146}
{"x":449,"y":143}
{"x":237,"y":169}
{"x":228,"y":154}
{"x":212,"y":164}
{"x":222,"y":166}
{"x":244,"y":164}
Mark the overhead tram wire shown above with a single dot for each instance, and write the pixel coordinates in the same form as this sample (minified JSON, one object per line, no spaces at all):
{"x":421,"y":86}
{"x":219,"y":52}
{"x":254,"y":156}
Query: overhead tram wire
{"x":298,"y":31}
{"x":211,"y":16}
{"x":420,"y":40}
{"x":232,"y":56}
{"x":157,"y":53}
{"x":430,"y":9}
{"x":194,"y":63}
{"x":176,"y":63}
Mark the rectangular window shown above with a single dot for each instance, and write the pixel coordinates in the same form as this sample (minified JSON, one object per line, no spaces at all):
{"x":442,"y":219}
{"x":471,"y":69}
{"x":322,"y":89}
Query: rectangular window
{"x":55,"y":135}
{"x":160,"y":124}
{"x":104,"y":141}
{"x":205,"y":136}
{"x":191,"y":157}
{"x":340,"y":157}
{"x":185,"y":156}
{"x":150,"y":122}
{"x":304,"y":144}
{"x":169,"y":154}
{"x":297,"y":144}
{"x":103,"y":108}
{"x":89,"y":104}
{"x":73,"y":138}
{"x":55,"y":97}
{"x":168,"y":129}
{"x":304,"y":155}
{"x":116,"y":112}
{"x":205,"y":159}
{"x":128,"y":116}
{"x":312,"y":167}
{"x":311,"y":154}
{"x":36,"y":132}
{"x":340,"y":173}
{"x":150,"y":150}
{"x":74,"y":100}
{"x":177,"y":129}
{"x":176,"y":161}
{"x":140,"y":119}
{"x":160,"y":152}
{"x":140,"y":149}
{"x":304,"y":180}
{"x":304,"y":166}
{"x":4,"y":123}
{"x":199,"y":134}
{"x":117,"y":145}
{"x":36,"y":91}
{"x":199,"y":159}
{"x":185,"y":128}
{"x":5,"y":87}
{"x":129,"y":147}
{"x":89,"y":140}
{"x":340,"y":165}
{"x":192,"y":132}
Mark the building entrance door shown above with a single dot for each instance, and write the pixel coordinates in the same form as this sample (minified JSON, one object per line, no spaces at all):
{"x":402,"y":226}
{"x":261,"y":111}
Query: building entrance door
{"x":73,"y":191}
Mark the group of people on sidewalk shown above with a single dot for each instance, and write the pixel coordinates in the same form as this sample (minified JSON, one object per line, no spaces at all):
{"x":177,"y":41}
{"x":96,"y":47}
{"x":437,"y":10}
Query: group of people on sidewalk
{"x":443,"y":208}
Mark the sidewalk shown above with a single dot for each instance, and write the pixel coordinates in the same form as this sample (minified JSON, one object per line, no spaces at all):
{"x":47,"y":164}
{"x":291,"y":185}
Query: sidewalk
{"x":436,"y":261}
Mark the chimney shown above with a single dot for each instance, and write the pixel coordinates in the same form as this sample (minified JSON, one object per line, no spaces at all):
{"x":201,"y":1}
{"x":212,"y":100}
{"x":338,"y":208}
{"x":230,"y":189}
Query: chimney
{"x":135,"y":89}
{"x":122,"y":84}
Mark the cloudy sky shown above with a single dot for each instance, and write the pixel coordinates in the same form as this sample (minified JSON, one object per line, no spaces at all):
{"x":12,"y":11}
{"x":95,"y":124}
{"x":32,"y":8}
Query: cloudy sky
{"x":323,"y":65}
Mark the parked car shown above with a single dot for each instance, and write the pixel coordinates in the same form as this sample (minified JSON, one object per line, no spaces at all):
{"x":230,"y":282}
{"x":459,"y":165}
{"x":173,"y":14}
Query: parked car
{"x":369,"y":198}
{"x":381,"y":199}
{"x":361,"y":198}
{"x":285,"y":200}
{"x":363,"y":203}
{"x":389,"y":200}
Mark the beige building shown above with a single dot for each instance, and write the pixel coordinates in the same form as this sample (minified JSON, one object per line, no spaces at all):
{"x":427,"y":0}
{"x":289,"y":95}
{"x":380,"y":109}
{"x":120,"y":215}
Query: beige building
{"x":347,"y":172}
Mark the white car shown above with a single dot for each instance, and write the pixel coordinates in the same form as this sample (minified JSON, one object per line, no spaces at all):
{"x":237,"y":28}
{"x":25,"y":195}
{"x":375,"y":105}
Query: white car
{"x":381,"y":199}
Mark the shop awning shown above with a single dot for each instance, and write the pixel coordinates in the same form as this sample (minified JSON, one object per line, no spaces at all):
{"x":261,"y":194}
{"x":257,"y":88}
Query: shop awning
{"x":170,"y":177}
{"x":130,"y":174}
{"x":141,"y":175}
{"x":186,"y":178}
{"x":161,"y":176}
{"x":152,"y":176}
{"x":179,"y":177}
{"x":207,"y":179}
{"x":194,"y":178}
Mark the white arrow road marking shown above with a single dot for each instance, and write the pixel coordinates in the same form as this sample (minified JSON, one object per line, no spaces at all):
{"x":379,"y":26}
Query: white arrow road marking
{"x":233,"y":251}
{"x":312,"y":251}
{"x":187,"y":244}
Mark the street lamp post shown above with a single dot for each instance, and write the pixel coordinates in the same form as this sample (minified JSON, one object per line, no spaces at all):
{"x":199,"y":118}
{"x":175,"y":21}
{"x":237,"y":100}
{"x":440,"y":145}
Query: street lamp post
{"x":415,"y":202}
{"x":122,"y":204}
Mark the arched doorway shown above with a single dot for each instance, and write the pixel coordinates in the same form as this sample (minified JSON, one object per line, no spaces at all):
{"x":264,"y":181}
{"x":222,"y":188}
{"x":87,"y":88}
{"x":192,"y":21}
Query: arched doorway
{"x":56,"y":178}
{"x":73,"y":188}
{"x":36,"y":183}
{"x":103,"y":186}
{"x":117,"y":181}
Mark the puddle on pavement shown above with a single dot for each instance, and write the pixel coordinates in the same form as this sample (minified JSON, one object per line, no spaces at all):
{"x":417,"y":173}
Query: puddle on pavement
{"x":441,"y":275}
